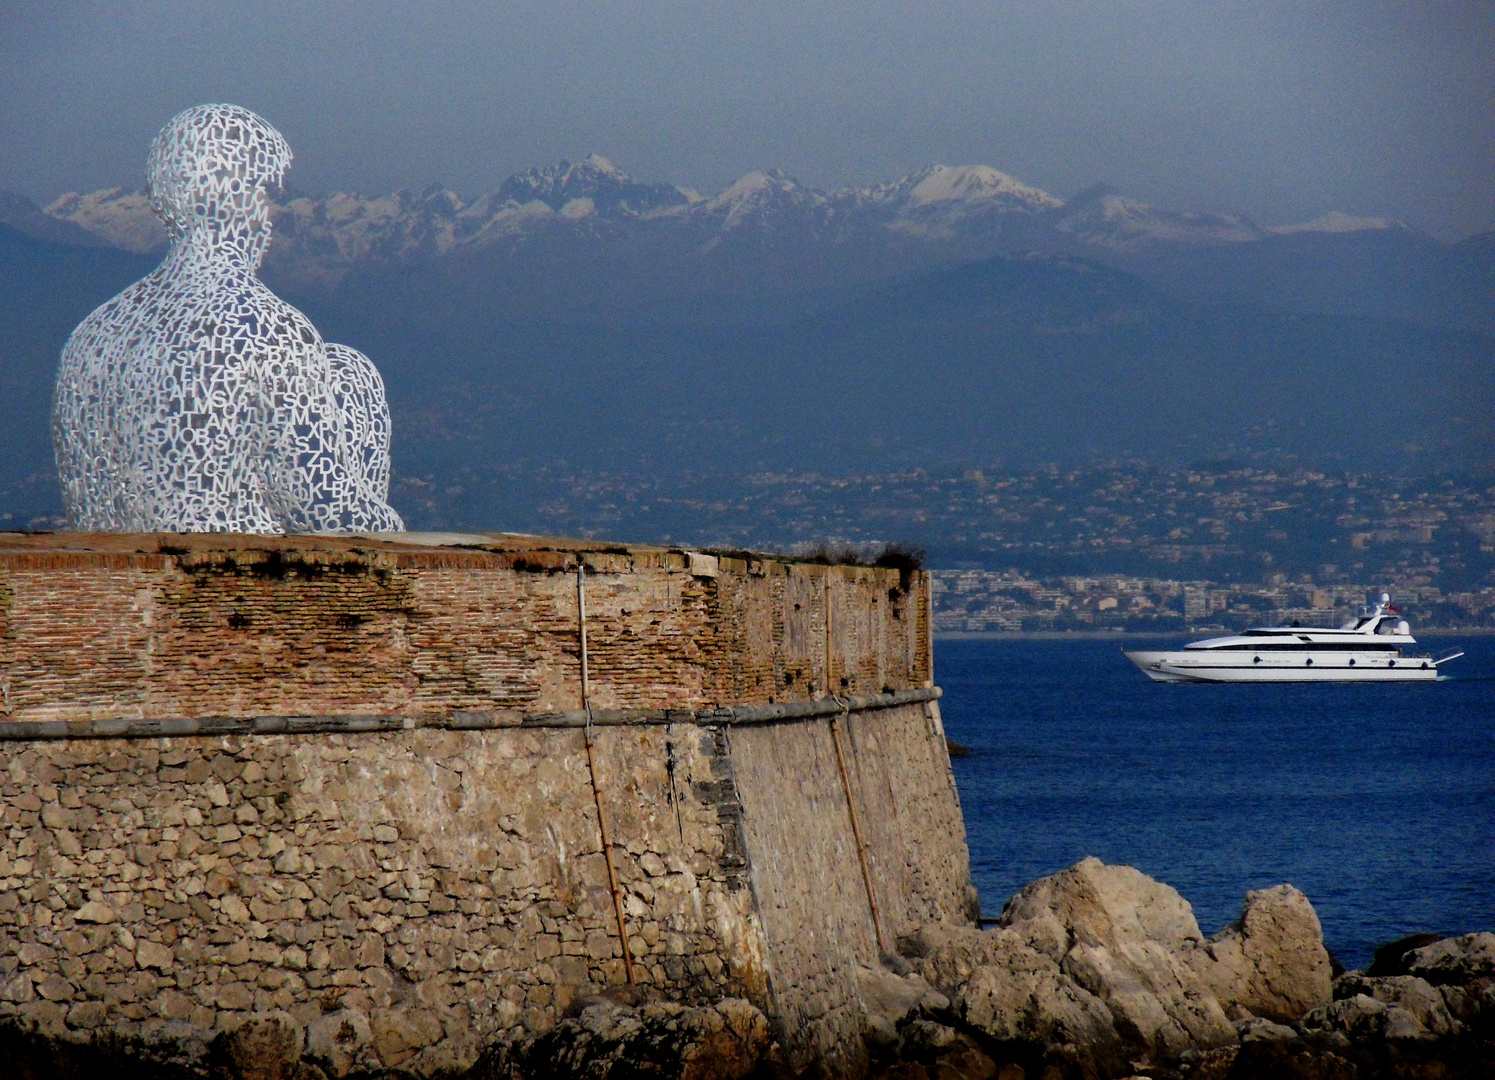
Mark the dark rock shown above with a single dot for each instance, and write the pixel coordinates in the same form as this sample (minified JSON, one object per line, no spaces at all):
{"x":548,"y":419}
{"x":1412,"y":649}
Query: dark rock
{"x":1387,"y":959}
{"x":1208,"y":1064}
{"x":1336,"y":969}
{"x":1407,"y":992}
{"x":926,"y":1039}
{"x":610,"y":1041}
{"x":266,"y":1047}
{"x":27,"y":1053}
{"x":888,"y":1000}
{"x":1454,"y":960}
{"x":932,"y":1050}
{"x":1472,"y":1005}
{"x":1270,"y":1060}
{"x":967,"y":1063}
{"x":1256,"y":1030}
{"x":341,"y":1042}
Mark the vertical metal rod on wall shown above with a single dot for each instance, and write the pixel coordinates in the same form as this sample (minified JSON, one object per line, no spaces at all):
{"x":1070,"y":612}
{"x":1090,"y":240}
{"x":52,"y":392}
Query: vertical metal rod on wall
{"x":581,"y":626}
{"x":586,"y":704}
{"x":825,"y":602}
{"x":928,"y":591}
{"x":856,"y":832}
{"x":851,"y":806}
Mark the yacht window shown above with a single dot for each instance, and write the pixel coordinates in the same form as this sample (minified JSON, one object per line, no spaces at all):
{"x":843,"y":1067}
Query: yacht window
{"x":1361,"y":646}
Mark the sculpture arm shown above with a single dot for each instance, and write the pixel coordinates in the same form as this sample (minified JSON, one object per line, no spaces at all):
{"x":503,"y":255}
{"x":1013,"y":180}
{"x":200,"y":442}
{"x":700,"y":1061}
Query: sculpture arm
{"x":315,"y":483}
{"x":359,"y":392}
{"x":86,"y":408}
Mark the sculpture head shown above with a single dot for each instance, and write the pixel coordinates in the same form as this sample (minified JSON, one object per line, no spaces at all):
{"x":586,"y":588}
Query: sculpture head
{"x":207,"y":173}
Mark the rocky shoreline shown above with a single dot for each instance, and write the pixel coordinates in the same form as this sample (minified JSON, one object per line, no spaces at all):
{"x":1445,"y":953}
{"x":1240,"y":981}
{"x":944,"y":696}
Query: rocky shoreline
{"x":1099,"y":971}
{"x":1094,"y":973}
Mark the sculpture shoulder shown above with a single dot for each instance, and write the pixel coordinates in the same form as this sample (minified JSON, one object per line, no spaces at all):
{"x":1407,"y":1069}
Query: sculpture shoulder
{"x":349,"y":362}
{"x":347,"y":354}
{"x":281,"y":320}
{"x":238,"y":305}
{"x":116,"y":315}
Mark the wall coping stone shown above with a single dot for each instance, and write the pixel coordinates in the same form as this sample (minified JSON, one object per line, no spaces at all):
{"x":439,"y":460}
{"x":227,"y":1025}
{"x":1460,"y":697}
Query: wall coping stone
{"x":37,"y":730}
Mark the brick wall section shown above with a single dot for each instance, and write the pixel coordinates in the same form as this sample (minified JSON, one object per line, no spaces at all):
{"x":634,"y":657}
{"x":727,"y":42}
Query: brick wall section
{"x":132,"y":627}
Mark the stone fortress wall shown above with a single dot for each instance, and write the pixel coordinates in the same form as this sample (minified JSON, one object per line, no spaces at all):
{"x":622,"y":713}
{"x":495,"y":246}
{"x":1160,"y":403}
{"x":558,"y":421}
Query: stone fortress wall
{"x":352,"y":780}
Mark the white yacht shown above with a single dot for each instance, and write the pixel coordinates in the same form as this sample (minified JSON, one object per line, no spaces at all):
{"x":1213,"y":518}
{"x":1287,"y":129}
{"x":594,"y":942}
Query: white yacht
{"x":1375,"y":647}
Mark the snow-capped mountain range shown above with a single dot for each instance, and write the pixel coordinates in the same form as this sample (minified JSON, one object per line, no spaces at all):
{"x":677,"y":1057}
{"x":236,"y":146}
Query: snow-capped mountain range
{"x":939,"y":205}
{"x":586,"y":240}
{"x":576,"y":314}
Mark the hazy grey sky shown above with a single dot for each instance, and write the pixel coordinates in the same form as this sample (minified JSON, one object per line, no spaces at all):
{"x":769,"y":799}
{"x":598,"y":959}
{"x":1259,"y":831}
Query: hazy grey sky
{"x":1282,"y":110}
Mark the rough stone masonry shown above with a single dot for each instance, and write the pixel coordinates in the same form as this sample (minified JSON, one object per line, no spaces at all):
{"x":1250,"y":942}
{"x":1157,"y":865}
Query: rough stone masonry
{"x":348,"y":780}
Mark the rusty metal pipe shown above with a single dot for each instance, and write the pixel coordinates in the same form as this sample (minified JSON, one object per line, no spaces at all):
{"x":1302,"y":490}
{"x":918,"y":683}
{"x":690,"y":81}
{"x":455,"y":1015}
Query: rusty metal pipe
{"x":602,"y":829}
{"x":851,"y":805}
{"x":856,"y":832}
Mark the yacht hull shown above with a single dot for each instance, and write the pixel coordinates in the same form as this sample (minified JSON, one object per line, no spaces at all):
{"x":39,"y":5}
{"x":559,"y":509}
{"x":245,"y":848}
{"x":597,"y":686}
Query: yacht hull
{"x":1201,"y":666}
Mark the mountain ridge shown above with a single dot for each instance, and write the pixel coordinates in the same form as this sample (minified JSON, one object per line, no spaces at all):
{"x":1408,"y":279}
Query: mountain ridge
{"x":586,"y":238}
{"x":929,"y":200}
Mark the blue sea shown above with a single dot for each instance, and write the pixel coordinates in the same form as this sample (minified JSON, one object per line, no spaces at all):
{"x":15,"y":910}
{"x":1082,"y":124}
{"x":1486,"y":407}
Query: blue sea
{"x":1377,"y":801}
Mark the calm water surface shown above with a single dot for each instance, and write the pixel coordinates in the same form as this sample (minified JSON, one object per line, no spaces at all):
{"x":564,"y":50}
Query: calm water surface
{"x":1376,"y":801}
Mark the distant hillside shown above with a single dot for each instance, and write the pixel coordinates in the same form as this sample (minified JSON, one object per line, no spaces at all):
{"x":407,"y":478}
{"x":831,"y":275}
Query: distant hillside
{"x":1390,"y":273}
{"x":1015,"y":359}
{"x":577,"y":315}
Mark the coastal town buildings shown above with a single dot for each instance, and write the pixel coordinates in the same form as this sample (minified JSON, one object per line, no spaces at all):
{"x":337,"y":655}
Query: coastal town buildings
{"x":996,"y":601}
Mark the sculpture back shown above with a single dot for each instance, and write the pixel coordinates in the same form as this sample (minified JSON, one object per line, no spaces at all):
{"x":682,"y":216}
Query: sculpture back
{"x":197,"y":400}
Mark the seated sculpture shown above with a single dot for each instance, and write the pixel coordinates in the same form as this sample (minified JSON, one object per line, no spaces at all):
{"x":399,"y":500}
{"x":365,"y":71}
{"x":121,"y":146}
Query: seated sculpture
{"x":199,"y":401}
